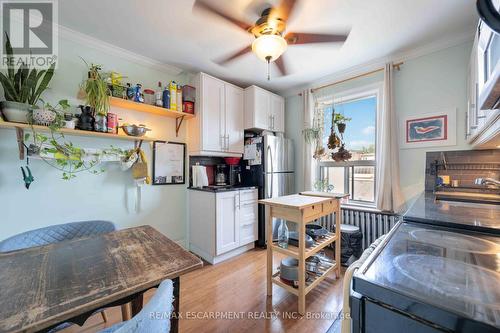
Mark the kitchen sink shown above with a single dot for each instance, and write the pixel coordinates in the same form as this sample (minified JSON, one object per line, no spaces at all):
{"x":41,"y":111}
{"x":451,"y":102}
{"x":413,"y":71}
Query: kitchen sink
{"x":467,"y":197}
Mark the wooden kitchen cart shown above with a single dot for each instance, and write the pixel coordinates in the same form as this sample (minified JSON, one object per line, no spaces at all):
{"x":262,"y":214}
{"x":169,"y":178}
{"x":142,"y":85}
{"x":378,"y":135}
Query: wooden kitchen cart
{"x":302,"y":209}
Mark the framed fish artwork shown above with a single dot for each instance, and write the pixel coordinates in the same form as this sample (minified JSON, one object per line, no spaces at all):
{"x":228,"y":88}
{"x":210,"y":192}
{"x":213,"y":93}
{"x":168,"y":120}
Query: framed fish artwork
{"x":429,"y":129}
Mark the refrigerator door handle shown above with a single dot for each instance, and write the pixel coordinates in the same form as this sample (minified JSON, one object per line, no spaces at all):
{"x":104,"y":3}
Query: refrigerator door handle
{"x":272,"y":169}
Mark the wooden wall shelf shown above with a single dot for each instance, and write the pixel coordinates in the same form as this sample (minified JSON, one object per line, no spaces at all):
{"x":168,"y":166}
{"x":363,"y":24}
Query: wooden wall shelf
{"x":151,"y":109}
{"x":19,"y":127}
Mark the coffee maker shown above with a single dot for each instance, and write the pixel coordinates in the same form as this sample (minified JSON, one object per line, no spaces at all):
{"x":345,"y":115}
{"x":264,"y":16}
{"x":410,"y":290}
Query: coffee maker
{"x":220,"y":175}
{"x":235,"y":175}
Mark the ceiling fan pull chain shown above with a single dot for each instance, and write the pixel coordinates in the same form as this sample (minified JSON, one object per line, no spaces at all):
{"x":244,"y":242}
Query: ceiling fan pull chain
{"x":268,"y":68}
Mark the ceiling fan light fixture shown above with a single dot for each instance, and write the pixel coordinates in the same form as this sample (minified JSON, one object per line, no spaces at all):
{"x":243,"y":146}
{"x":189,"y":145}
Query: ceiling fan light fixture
{"x":269,"y":47}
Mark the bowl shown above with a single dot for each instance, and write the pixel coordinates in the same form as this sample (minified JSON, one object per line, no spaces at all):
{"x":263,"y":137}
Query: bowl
{"x":232,"y":160}
{"x":134,"y":130}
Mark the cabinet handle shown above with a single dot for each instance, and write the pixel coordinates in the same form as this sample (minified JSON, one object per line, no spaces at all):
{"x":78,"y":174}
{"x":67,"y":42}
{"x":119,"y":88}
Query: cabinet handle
{"x":236,"y":202}
{"x":227,"y":142}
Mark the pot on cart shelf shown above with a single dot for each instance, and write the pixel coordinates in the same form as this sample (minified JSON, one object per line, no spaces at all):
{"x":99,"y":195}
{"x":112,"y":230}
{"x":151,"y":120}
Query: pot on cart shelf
{"x":43,"y":116}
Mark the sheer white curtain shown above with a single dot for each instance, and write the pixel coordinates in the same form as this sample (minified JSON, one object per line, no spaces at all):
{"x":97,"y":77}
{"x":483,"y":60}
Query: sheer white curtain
{"x":309,"y":163}
{"x":389,"y":197}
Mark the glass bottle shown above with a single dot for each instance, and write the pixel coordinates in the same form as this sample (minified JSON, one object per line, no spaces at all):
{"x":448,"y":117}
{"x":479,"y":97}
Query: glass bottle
{"x":283,"y":235}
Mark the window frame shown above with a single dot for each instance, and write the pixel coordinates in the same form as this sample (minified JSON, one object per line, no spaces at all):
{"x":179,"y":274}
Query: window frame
{"x":351,"y":95}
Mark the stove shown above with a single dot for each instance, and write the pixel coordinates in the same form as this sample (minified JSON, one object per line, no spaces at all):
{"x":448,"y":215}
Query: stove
{"x":432,"y":278}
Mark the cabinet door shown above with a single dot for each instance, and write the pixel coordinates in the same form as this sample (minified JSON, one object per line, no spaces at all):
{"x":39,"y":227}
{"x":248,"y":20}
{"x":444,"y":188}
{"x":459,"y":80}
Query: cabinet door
{"x":213,"y":114}
{"x":262,"y":109}
{"x":234,"y":119}
{"x":277,"y":113}
{"x":227,"y":221}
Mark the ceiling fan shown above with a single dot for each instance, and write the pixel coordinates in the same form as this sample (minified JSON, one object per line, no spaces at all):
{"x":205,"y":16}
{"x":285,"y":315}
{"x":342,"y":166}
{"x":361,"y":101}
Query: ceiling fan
{"x":271,"y":40}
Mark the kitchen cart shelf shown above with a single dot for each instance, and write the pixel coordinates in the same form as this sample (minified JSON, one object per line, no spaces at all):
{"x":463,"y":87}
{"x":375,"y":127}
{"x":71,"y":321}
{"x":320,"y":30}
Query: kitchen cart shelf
{"x":302,"y":209}
{"x":151,"y":109}
{"x":293,"y":251}
{"x":310,"y":283}
{"x":19,"y":127}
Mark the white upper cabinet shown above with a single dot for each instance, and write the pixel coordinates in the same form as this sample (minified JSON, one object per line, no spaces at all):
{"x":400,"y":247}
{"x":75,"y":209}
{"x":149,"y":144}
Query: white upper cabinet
{"x":483,"y":126}
{"x":264,"y":110}
{"x":234,"y":99}
{"x":217,"y":128}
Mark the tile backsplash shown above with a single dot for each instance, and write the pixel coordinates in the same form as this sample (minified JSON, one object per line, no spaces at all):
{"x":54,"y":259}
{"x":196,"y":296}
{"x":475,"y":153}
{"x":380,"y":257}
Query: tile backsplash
{"x":210,"y":162}
{"x":463,"y":166}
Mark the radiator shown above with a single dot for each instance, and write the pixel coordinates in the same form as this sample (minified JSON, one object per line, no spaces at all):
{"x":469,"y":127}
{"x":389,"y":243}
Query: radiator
{"x":372,"y":224}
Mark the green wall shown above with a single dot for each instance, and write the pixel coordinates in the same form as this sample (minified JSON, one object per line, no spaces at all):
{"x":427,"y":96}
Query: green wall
{"x":108,"y":196}
{"x":424,"y":84}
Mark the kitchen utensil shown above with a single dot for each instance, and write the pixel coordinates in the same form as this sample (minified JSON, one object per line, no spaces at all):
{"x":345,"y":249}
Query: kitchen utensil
{"x":234,"y":175}
{"x":316,"y":231}
{"x":232,"y":160}
{"x":312,"y":264}
{"x":86,"y":118}
{"x":293,"y":239}
{"x":134,"y":130}
{"x":220,"y":177}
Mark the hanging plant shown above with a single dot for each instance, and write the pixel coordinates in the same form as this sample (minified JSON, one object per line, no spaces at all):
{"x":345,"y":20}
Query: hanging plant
{"x":340,"y":120}
{"x":95,"y":90}
{"x":64,"y":155}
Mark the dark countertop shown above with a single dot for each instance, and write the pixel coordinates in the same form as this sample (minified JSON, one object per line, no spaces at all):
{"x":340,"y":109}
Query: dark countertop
{"x":472,"y":216}
{"x":222,"y":189}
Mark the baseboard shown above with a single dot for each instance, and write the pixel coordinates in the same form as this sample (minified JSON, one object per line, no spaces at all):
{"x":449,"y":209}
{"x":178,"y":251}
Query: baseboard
{"x":225,"y":256}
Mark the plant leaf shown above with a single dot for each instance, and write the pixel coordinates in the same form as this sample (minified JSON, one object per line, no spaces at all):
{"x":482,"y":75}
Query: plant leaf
{"x":10,"y":55}
{"x":8,"y":86}
{"x":26,"y":87}
{"x":44,"y":83}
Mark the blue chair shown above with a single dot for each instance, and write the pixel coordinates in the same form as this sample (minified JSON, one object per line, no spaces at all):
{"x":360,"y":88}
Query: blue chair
{"x":54,"y":234}
{"x":154,"y":317}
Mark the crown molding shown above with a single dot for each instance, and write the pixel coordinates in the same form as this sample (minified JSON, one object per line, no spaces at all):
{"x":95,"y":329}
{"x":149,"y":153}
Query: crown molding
{"x":101,"y":45}
{"x":403,"y":56}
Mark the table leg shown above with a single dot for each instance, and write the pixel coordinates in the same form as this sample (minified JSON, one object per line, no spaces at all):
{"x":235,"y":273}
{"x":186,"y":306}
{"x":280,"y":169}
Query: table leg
{"x":137,"y":304}
{"x":269,"y":236}
{"x":337,"y":242}
{"x":174,"y":319}
{"x":302,"y":268}
{"x":126,"y":312}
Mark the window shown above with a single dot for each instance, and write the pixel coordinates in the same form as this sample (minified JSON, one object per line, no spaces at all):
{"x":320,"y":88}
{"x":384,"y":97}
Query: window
{"x":356,"y":176}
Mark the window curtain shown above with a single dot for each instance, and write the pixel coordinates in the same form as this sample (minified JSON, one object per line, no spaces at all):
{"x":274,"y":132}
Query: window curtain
{"x":388,"y":196}
{"x":309,"y":163}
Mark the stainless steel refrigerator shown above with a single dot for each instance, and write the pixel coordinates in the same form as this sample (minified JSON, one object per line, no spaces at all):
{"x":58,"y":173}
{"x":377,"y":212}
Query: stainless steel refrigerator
{"x":274,"y":176}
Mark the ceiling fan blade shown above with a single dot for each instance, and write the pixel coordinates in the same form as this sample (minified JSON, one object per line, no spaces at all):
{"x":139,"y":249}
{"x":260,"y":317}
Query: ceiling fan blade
{"x":199,"y":4}
{"x":308,"y":38}
{"x":284,"y":9}
{"x":234,"y":55}
{"x":280,"y":63}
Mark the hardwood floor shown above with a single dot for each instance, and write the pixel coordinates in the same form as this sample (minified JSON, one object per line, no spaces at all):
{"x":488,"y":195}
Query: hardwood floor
{"x":231,"y":297}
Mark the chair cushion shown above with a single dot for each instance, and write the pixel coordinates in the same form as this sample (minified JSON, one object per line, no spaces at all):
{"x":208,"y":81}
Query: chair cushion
{"x":55,"y":233}
{"x":154,"y":317}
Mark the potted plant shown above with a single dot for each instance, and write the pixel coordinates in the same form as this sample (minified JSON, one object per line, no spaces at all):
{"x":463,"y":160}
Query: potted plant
{"x":341,"y":121}
{"x":22,"y":88}
{"x":96,"y":93}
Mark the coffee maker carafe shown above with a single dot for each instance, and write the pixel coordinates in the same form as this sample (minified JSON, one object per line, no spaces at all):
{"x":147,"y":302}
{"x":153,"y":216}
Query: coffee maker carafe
{"x":220,"y":175}
{"x":234,"y":175}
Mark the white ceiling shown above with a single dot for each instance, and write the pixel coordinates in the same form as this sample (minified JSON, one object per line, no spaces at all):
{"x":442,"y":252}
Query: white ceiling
{"x":170,"y":32}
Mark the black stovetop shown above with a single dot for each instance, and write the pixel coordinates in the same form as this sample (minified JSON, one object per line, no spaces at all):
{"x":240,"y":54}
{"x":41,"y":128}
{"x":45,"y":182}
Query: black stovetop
{"x":445,"y":276}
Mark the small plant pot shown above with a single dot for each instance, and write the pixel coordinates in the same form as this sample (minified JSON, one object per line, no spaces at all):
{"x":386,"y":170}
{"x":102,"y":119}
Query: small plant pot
{"x":43,"y":116}
{"x":341,"y":127}
{"x":15,"y":112}
{"x":33,"y":150}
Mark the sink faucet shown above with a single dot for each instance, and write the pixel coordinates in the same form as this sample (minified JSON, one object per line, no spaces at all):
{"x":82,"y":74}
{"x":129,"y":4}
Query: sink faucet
{"x":487,"y":181}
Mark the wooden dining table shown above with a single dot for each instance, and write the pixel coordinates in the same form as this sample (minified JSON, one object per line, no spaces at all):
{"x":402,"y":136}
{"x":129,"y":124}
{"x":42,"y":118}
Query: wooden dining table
{"x":44,"y":286}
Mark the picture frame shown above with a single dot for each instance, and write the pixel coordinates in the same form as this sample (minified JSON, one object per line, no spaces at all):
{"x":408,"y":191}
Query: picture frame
{"x":169,"y":163}
{"x":429,"y":129}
